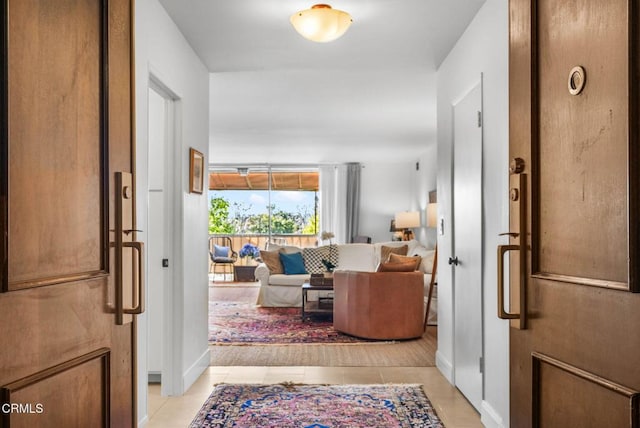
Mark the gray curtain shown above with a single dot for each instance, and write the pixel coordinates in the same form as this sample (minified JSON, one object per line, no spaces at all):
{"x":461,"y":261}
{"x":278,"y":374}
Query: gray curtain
{"x":353,"y":201}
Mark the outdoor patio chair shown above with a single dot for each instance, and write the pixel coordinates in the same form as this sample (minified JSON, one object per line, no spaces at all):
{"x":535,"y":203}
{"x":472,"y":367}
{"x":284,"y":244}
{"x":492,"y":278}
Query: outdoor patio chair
{"x":222,"y":254}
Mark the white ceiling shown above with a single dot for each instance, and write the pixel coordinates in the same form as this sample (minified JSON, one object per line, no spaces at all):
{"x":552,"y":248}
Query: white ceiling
{"x":277,"y":97}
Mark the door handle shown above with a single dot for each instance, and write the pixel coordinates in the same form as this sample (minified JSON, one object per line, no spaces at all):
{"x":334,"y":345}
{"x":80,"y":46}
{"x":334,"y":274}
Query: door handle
{"x":454,"y":261}
{"x":139,"y":307}
{"x":502,"y":313}
{"x":518,"y":220}
{"x":123,"y":231}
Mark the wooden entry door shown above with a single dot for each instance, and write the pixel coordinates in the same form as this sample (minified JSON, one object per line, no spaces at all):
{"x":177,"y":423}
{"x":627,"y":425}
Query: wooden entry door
{"x":70,"y":264}
{"x":574,"y":205}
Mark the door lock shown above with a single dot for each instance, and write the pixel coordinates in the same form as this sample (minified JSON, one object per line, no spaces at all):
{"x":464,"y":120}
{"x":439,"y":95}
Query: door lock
{"x":453,"y":261}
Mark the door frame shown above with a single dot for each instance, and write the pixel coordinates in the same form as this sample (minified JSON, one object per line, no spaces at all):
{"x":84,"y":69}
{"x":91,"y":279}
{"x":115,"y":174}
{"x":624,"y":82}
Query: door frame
{"x":172,"y":291}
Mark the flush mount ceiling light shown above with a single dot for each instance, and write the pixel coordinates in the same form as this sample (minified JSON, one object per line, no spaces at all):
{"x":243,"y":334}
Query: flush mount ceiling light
{"x":321,"y":23}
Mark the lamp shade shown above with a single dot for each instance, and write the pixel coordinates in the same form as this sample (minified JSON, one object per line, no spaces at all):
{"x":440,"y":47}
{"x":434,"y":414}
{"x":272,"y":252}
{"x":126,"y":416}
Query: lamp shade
{"x":321,"y":23}
{"x":407,"y":219}
{"x":432,"y":215}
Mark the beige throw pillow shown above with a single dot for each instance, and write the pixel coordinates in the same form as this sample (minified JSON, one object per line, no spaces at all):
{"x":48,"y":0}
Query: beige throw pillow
{"x":386,"y":251}
{"x":272,"y":260}
{"x":408,"y":266}
{"x":396,"y":258}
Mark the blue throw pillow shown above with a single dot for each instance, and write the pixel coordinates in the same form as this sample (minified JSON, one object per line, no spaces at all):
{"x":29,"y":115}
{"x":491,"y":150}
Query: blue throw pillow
{"x":220,"y":251}
{"x":293,"y":264}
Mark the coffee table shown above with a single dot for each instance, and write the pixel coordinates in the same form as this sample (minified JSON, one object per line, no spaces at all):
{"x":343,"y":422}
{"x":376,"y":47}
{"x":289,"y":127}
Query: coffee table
{"x":324,"y":305}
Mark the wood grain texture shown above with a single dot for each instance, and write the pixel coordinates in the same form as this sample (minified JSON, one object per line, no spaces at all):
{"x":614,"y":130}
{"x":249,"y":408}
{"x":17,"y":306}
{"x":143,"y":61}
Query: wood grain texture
{"x":558,"y":386}
{"x":582,"y":140}
{"x":66,"y":128}
{"x":55,"y":144}
{"x":84,"y":380}
{"x":578,"y":153}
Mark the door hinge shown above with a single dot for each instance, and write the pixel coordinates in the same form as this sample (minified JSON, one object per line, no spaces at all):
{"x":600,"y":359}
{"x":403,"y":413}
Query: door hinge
{"x":481,"y":364}
{"x":479,"y":119}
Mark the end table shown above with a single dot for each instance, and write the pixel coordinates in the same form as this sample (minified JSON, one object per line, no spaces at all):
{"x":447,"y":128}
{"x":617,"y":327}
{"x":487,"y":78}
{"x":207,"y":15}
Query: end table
{"x":245,"y":273}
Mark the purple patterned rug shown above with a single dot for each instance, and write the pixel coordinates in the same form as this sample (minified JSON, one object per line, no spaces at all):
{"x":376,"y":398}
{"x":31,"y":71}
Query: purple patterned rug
{"x":237,"y":323}
{"x":317,"y":406}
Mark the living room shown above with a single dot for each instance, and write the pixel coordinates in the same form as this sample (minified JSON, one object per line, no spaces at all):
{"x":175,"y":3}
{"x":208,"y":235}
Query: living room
{"x":392,"y":180}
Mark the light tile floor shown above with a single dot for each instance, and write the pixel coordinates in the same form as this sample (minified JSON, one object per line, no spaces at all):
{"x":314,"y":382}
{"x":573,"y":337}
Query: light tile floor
{"x":177,"y":412}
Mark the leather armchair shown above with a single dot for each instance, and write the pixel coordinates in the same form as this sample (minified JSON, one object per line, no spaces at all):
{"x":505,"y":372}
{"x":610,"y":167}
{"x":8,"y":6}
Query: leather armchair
{"x":379,"y":305}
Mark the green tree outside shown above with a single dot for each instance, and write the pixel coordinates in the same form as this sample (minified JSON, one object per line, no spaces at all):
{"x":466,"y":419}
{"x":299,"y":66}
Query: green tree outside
{"x":228,"y":218}
{"x":311,"y":228}
{"x":219,"y":217}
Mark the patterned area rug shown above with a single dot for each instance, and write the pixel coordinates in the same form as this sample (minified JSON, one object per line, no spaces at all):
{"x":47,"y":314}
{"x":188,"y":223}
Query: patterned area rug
{"x":236,"y":323}
{"x":317,"y":406}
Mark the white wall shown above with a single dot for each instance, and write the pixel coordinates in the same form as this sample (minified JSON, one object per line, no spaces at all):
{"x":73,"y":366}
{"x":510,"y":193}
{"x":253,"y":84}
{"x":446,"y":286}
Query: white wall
{"x":425,"y":183}
{"x":387,"y":188}
{"x":162,"y":50}
{"x":483,"y":48}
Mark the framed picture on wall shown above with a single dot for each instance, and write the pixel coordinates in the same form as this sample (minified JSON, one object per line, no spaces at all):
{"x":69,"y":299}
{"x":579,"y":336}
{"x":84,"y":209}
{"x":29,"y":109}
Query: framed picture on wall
{"x":196,"y":171}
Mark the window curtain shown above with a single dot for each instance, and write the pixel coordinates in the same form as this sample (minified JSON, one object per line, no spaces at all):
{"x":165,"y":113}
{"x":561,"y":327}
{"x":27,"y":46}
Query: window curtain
{"x":326,"y":199}
{"x":353,"y":201}
{"x":340,"y":201}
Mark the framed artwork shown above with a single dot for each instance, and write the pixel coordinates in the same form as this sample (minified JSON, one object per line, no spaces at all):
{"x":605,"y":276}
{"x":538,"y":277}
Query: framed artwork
{"x":196,"y":171}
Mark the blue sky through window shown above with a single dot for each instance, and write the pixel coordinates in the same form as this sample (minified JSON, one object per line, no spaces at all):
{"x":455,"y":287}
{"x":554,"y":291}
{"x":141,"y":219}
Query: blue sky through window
{"x":257,"y":200}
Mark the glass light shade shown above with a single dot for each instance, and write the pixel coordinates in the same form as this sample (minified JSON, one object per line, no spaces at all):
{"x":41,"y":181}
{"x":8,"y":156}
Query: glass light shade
{"x":321,"y":23}
{"x":407,"y":219}
{"x":432,"y":215}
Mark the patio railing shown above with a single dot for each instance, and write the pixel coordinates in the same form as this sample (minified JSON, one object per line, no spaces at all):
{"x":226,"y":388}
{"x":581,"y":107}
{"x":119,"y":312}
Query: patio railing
{"x":302,"y":241}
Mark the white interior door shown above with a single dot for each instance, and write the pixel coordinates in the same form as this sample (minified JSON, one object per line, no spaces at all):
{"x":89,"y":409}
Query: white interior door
{"x":467,"y":245}
{"x":157,"y":236}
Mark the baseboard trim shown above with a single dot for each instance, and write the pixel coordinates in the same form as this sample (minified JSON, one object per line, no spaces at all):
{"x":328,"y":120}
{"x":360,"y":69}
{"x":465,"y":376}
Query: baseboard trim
{"x":193,"y":373}
{"x":143,"y":422}
{"x":489,"y":417}
{"x":445,"y":367}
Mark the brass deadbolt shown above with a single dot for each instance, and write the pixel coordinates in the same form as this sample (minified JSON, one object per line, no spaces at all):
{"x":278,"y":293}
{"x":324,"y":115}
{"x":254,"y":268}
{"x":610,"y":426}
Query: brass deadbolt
{"x":126,"y":192}
{"x":516,"y":166}
{"x":577,"y":80}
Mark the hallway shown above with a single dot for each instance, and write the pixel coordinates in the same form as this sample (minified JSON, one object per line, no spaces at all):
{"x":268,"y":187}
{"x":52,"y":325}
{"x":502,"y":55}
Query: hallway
{"x":178,"y":412}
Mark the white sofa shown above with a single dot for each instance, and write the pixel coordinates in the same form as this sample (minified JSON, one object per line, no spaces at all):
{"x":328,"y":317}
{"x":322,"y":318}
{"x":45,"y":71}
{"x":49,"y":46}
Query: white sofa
{"x":282,"y":290}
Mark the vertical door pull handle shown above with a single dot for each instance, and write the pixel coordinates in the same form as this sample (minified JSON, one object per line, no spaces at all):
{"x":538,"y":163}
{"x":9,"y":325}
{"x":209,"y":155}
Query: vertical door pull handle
{"x":139,"y":308}
{"x":124,"y":227}
{"x":518,"y":274}
{"x":502,"y":313}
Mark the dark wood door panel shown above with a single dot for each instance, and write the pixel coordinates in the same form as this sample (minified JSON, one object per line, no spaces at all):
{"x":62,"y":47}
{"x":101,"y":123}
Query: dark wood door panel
{"x":592,"y":328}
{"x":567,"y":396}
{"x":60,"y":322}
{"x":66,"y":125}
{"x":72,"y":394}
{"x":575,"y":363}
{"x":582,"y":140}
{"x":56,"y":142}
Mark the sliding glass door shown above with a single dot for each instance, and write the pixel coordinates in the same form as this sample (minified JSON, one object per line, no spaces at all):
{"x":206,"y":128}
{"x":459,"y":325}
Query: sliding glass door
{"x":262,"y":204}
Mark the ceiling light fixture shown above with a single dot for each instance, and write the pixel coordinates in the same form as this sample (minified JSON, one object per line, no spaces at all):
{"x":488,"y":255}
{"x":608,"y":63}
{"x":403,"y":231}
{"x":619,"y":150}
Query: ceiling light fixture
{"x":321,"y":23}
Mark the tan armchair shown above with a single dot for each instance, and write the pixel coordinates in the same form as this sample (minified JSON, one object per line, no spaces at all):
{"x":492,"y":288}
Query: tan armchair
{"x":379,"y":305}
